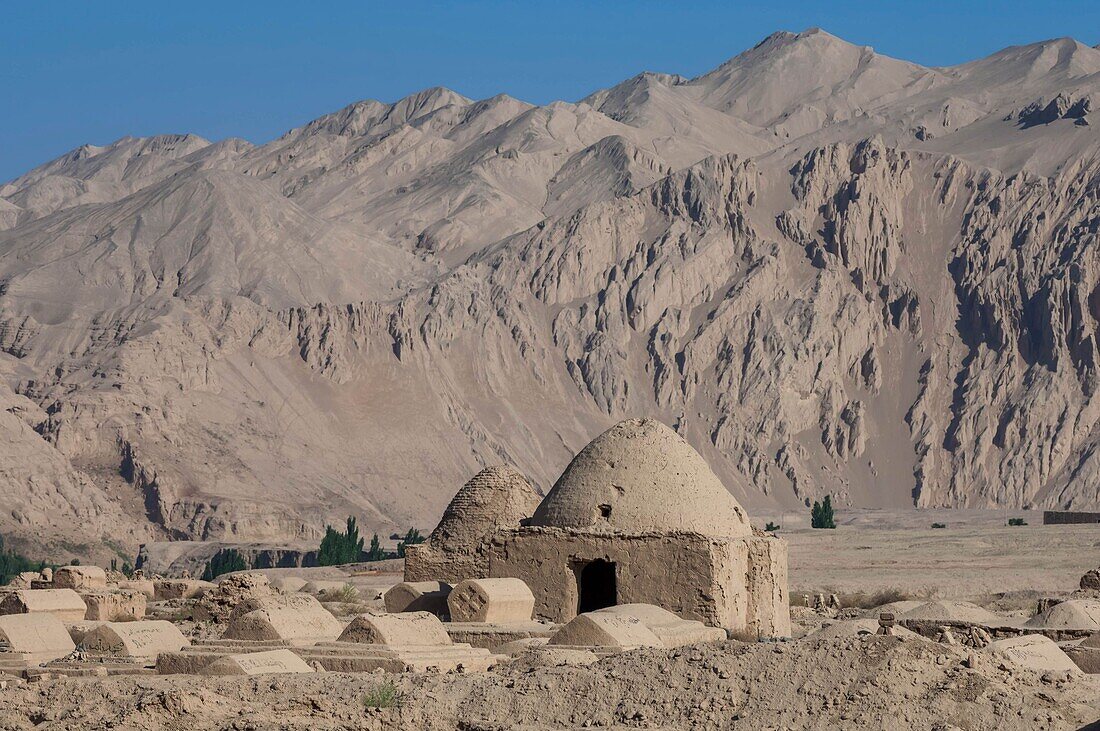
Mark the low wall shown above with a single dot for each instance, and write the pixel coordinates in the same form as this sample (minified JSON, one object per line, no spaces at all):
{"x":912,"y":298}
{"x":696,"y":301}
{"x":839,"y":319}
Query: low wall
{"x":1063,"y":517}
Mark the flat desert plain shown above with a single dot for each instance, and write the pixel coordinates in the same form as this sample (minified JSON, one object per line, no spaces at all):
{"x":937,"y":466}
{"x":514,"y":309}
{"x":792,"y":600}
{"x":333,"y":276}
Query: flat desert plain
{"x":976,"y":555}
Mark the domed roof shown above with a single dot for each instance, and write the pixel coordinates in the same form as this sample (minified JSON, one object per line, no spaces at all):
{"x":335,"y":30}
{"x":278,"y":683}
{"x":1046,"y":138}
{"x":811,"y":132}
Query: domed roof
{"x":641,"y":476}
{"x":496,"y":497}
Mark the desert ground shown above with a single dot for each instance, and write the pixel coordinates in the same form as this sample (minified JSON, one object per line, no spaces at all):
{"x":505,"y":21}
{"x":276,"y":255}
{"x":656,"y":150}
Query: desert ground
{"x":975,"y":557}
{"x":844,"y":682}
{"x":870,"y":683}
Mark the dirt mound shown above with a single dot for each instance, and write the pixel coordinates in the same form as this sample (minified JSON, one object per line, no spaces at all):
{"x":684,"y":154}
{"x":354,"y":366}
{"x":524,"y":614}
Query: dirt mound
{"x":855,"y":627}
{"x":1070,"y":614}
{"x":853,"y":683}
{"x":953,"y":611}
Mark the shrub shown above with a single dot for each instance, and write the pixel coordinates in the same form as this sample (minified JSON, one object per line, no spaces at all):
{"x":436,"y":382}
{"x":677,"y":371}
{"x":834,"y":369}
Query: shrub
{"x":939,"y":525}
{"x":821,"y":515}
{"x":1017,"y":521}
{"x":224,"y":561}
{"x":384,"y":695}
{"x":346,"y":594}
{"x":411,"y":539}
{"x":771,"y":527}
{"x":340,"y":548}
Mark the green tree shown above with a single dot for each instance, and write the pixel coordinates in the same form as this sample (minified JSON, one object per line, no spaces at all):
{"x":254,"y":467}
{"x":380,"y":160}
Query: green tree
{"x":821,"y":515}
{"x":12,"y":563}
{"x":224,"y":561}
{"x":411,"y":539}
{"x":375,"y":552}
{"x":340,"y":548}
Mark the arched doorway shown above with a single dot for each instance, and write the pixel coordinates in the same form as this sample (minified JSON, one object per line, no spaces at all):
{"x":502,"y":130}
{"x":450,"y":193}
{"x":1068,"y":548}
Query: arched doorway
{"x":596,"y":585}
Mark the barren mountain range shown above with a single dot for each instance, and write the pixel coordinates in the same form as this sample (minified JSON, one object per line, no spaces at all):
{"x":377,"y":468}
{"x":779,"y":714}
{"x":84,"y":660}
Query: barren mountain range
{"x":832,"y":271}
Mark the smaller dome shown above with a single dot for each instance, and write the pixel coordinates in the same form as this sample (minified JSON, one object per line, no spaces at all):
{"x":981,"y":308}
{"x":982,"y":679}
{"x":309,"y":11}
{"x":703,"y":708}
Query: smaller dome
{"x":641,"y":476}
{"x":496,"y":497}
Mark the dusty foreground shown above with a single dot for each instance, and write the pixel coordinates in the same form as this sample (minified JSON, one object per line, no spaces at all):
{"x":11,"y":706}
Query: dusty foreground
{"x":852,"y":683}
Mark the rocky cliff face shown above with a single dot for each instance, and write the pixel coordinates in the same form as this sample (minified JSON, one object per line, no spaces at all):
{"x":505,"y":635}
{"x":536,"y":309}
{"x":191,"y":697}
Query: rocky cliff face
{"x":888,"y":294}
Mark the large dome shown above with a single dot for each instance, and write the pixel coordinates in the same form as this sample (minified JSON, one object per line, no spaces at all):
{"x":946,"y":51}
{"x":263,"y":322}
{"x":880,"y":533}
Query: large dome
{"x":641,"y":476}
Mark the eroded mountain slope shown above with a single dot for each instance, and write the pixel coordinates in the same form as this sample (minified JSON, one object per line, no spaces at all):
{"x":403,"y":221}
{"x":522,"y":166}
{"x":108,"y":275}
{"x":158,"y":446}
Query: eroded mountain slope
{"x":834,"y":272}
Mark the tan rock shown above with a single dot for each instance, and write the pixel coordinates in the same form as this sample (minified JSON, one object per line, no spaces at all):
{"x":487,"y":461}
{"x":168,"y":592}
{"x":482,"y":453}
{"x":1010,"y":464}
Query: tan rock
{"x":65,"y":604}
{"x":114,"y":606}
{"x":602,"y":629}
{"x":38,"y":637}
{"x":269,"y":662}
{"x":220,"y":601}
{"x":1036,"y":652}
{"x":289,"y":584}
{"x":77,"y":630}
{"x":298,"y":619}
{"x":672,"y":630}
{"x":80,"y":578}
{"x":23,"y":580}
{"x":418,"y":596}
{"x":856,"y":627}
{"x":491,"y":600}
{"x":405,"y":628}
{"x":165,"y":589}
{"x":144,"y":639}
{"x":1070,"y":614}
{"x":145,"y":586}
{"x":952,"y":611}
{"x":1086,"y":654}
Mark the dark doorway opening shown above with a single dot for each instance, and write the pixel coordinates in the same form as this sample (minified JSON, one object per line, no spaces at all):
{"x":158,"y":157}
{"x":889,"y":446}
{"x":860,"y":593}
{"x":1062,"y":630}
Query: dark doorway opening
{"x":596,"y":586}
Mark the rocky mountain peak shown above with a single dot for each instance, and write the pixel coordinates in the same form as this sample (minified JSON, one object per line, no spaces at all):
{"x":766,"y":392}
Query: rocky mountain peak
{"x":833,"y":272}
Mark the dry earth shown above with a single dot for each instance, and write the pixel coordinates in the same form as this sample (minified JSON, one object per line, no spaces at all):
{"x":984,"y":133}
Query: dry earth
{"x":858,"y":683}
{"x":974,"y":557}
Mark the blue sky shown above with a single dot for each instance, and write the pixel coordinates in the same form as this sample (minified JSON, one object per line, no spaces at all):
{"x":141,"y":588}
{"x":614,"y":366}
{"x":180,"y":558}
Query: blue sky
{"x":76,"y":71}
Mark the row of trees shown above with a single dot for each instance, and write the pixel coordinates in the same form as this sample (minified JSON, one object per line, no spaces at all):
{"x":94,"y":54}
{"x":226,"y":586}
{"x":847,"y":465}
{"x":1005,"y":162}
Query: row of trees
{"x":13,"y":564}
{"x":337,"y":547}
{"x":340,"y":547}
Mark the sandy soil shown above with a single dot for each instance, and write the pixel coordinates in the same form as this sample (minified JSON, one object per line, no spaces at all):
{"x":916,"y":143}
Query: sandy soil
{"x":851,"y":683}
{"x":975,"y":556}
